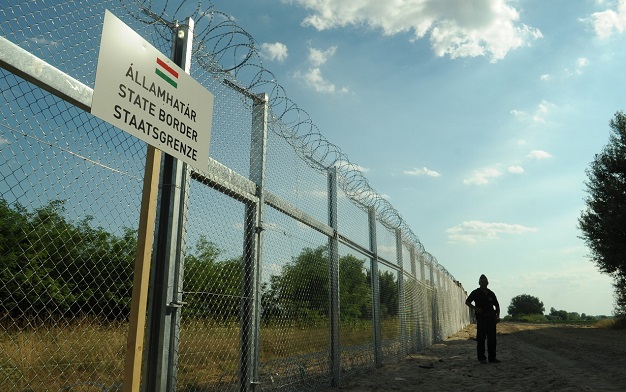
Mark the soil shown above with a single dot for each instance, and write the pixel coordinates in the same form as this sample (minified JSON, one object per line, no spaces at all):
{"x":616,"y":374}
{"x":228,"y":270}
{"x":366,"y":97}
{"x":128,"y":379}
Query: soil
{"x":535,"y":357}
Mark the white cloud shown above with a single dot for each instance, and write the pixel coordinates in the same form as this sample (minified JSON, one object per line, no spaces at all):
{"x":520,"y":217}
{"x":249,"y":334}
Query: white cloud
{"x":545,"y":77}
{"x":458,"y":29}
{"x":606,"y":21}
{"x":275,"y":52}
{"x":477,"y":231}
{"x":351,"y":166}
{"x":313,"y":76}
{"x":518,"y":113}
{"x":515,"y":169}
{"x":581,"y":63}
{"x":483,"y":176}
{"x":543,"y":107}
{"x":422,"y":172}
{"x":539,"y":114}
{"x":44,"y":42}
{"x":319,"y":57}
{"x":538,"y":154}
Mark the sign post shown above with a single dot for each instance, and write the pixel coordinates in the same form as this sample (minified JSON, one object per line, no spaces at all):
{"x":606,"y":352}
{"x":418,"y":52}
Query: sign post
{"x":143,"y":92}
{"x":137,"y":322}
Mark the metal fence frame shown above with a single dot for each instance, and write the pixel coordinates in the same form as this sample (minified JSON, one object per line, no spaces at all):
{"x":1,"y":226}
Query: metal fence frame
{"x":422,"y":321}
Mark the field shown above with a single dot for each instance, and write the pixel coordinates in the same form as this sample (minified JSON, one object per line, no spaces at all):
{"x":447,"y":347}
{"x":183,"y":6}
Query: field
{"x":89,"y":356}
{"x":538,"y":357}
{"x":535,"y":357}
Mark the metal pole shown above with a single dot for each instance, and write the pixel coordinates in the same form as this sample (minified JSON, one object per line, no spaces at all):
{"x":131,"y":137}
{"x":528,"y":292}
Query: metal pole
{"x":435,"y":328}
{"x":167,"y":272}
{"x":442,"y":314}
{"x":378,"y":353}
{"x":416,"y":328}
{"x":424,"y":288}
{"x":251,"y":284}
{"x":333,"y":276}
{"x":401,"y":296}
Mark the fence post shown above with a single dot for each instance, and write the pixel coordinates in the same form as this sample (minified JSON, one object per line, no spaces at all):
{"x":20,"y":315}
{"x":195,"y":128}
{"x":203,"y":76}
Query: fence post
{"x":333,"y":277}
{"x":401,"y":296}
{"x":441,"y":304}
{"x":413,"y":300}
{"x":378,"y":354}
{"x":425,"y":333}
{"x":434,"y":303}
{"x":250,"y":298}
{"x":167,"y":269}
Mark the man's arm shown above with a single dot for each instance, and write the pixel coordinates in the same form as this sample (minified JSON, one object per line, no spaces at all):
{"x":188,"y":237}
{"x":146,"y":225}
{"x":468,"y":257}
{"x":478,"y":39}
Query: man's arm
{"x":497,"y":306}
{"x":469,"y":301}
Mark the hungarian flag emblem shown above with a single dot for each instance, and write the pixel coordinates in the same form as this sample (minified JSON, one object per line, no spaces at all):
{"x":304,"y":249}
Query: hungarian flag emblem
{"x":166,"y":72}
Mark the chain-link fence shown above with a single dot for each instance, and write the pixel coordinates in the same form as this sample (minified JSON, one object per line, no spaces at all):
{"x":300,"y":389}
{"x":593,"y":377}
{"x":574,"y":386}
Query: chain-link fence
{"x":278,"y":268}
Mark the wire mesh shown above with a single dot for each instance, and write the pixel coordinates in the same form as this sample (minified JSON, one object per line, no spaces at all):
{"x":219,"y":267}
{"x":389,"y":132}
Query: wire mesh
{"x":294,"y":330}
{"x":356,"y":326}
{"x":70,"y":194}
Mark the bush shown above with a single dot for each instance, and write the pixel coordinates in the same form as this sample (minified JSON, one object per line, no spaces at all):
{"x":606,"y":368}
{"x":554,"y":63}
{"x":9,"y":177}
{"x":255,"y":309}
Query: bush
{"x":530,"y":318}
{"x":611,"y":323}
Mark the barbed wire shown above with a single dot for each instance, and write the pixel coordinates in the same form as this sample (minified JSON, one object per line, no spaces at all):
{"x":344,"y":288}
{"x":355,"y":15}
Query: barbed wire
{"x":224,"y":49}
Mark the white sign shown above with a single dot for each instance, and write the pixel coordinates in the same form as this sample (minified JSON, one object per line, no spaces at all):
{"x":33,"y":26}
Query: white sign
{"x":139,"y":90}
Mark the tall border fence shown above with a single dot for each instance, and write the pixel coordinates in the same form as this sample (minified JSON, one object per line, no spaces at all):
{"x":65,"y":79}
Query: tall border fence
{"x":277,"y":269}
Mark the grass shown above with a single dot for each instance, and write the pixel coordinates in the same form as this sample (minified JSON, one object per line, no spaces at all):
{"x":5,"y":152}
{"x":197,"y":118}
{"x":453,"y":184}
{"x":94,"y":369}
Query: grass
{"x":618,"y":323}
{"x":542,"y":319}
{"x":51,"y":358}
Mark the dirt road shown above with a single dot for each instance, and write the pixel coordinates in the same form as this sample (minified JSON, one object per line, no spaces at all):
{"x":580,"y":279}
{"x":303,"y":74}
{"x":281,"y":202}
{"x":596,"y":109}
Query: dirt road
{"x":534,"y":358}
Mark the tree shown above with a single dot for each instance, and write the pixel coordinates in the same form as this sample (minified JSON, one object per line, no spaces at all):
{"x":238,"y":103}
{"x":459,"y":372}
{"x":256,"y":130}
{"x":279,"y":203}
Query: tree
{"x":525,"y":304}
{"x":303,"y":286}
{"x":559,"y":314}
{"x":620,"y":296}
{"x":389,"y":298}
{"x":212,"y":287}
{"x":603,"y":222}
{"x":354,"y":290}
{"x":301,"y":291}
{"x":50,"y":265}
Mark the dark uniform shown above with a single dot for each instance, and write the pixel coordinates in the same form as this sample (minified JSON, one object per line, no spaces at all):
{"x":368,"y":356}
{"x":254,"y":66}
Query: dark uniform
{"x":485,"y":322}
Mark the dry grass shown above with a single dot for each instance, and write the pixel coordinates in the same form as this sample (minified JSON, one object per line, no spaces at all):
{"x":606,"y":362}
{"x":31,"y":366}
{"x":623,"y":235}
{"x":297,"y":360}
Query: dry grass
{"x":54,"y":357}
{"x":51,"y":358}
{"x":611,"y":323}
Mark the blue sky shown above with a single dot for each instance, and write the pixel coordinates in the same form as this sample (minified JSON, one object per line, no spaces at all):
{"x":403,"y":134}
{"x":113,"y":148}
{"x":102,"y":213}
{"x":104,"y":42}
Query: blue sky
{"x":475,"y":119}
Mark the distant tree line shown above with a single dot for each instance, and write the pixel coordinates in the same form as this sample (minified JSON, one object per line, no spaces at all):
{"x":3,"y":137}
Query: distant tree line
{"x":51,"y":266}
{"x":563,"y":315}
{"x":526,"y":307}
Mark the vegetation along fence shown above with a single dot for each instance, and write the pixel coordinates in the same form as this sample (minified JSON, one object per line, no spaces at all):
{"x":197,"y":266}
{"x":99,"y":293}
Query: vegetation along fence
{"x":277,"y":268}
